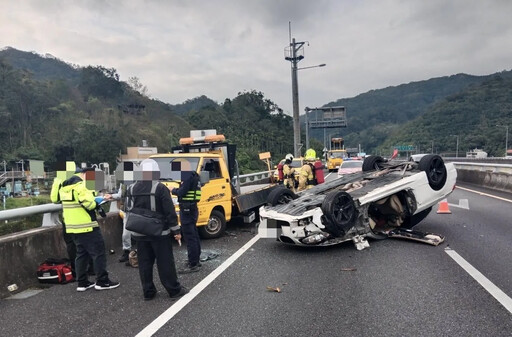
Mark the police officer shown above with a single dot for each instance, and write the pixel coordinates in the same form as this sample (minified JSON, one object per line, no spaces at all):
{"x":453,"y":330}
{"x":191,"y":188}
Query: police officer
{"x":189,"y":194}
{"x":78,"y":211}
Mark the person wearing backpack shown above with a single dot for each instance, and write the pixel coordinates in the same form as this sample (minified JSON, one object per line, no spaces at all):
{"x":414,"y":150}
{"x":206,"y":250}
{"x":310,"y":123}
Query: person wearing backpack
{"x":150,"y":196}
{"x":189,"y":194}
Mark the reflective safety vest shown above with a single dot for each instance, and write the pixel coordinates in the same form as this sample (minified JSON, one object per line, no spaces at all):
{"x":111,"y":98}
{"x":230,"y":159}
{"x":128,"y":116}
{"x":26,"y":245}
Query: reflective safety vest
{"x":194,"y":193}
{"x":78,"y":207}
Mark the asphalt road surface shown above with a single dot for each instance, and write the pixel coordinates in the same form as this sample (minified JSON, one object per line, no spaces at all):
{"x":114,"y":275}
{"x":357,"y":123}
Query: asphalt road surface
{"x":395,"y":287}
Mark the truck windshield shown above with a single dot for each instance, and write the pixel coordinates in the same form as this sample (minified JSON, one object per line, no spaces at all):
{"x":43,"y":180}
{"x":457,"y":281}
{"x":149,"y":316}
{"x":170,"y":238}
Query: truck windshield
{"x":337,"y":155}
{"x":172,"y":168}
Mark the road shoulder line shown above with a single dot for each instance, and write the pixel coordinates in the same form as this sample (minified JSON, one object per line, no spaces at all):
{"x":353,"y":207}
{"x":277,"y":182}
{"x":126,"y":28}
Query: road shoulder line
{"x":182,"y":302}
{"x":496,"y":292}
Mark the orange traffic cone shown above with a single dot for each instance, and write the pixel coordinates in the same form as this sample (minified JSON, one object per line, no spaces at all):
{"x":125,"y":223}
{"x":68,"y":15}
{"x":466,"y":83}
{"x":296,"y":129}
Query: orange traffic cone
{"x":443,"y":208}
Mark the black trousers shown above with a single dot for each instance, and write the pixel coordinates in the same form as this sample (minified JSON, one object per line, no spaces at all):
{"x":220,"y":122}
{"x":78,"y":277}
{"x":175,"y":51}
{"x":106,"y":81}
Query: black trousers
{"x":190,"y":233}
{"x":89,"y":246}
{"x":71,"y":250}
{"x":159,"y":249}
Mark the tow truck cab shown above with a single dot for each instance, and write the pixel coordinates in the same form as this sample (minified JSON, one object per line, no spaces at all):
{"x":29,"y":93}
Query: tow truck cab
{"x":210,"y":156}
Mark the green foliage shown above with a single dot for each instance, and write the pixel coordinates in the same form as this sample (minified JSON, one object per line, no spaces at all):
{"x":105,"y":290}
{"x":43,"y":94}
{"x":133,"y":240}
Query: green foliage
{"x":375,"y":115}
{"x":56,"y":112}
{"x":20,"y":224}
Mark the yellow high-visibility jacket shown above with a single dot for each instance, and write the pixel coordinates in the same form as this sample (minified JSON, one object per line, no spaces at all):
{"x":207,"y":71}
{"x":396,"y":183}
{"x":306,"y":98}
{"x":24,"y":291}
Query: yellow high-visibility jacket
{"x":78,"y":206}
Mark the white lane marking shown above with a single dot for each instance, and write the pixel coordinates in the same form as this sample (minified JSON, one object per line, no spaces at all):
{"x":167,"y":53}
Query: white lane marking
{"x":182,"y":302}
{"x":463,"y":203}
{"x":496,"y":292}
{"x":485,"y":194}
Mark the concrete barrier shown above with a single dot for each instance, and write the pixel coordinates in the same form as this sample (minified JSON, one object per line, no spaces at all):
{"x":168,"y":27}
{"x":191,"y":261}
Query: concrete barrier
{"x":494,"y":176}
{"x":21,"y":253}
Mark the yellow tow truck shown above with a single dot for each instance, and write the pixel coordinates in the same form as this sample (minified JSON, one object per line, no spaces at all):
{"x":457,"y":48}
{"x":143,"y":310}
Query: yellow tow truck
{"x":208,"y":154}
{"x":336,"y":154}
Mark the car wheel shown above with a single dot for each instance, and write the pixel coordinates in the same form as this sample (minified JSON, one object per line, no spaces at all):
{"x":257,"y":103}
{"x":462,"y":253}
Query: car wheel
{"x":340,"y":210}
{"x":433,"y":165}
{"x":280,"y":196}
{"x":372,"y":163}
{"x":215,"y":227}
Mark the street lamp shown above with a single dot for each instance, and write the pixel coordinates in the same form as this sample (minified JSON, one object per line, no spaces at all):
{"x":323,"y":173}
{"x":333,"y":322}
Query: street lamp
{"x":506,"y":138}
{"x":293,"y":53}
{"x":457,"y":148}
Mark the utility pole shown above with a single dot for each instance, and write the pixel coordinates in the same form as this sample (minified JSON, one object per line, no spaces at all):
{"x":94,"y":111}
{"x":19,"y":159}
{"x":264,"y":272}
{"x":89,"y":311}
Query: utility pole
{"x":294,"y":56}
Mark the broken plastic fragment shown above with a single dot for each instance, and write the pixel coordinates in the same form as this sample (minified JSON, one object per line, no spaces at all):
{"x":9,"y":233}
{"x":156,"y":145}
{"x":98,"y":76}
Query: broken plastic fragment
{"x":274,"y":289}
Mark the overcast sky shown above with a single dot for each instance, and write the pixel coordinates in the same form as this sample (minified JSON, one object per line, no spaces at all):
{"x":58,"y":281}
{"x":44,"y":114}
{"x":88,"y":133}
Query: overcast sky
{"x":187,"y":48}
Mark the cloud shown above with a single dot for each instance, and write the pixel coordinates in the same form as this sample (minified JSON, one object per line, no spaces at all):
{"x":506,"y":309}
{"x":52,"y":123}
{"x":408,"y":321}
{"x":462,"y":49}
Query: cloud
{"x":184,"y":49}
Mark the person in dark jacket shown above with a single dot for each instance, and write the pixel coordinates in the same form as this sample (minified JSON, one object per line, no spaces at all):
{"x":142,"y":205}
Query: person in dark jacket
{"x":189,"y":194}
{"x":159,"y":248}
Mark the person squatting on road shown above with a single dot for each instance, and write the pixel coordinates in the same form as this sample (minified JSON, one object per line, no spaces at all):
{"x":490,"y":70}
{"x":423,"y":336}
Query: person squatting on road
{"x":126,"y":237}
{"x":78,"y":212}
{"x":189,"y":194}
{"x":159,"y":248}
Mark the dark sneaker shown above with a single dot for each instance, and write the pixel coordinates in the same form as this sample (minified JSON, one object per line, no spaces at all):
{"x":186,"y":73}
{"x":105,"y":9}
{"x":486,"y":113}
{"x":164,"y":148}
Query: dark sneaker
{"x":125,"y":256}
{"x":85,"y":286}
{"x":188,"y":269}
{"x":106,"y":285}
{"x":182,"y":292}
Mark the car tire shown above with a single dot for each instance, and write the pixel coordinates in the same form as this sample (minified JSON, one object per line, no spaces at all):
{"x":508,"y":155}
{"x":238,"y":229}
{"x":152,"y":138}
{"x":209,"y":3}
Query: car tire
{"x":340,"y":210}
{"x":372,"y":163}
{"x":215,"y":227}
{"x":415,"y":219}
{"x":280,"y":196}
{"x":433,"y":166}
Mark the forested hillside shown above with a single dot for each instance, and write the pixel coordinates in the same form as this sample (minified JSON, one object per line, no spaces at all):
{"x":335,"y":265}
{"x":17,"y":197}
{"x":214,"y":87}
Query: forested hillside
{"x":54,"y":111}
{"x":375,"y":115}
{"x":477,"y":116}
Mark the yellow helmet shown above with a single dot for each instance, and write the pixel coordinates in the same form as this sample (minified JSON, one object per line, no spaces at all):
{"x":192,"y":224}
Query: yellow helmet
{"x":310,"y":155}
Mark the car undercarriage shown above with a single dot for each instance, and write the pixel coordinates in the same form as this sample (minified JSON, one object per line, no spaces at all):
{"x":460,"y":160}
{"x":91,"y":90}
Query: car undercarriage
{"x":386,"y":200}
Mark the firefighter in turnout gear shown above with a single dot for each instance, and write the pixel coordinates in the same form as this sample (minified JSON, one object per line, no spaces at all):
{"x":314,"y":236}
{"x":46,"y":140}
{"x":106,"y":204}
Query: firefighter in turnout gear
{"x":307,"y":172}
{"x":189,"y":194}
{"x":289,"y":173}
{"x":79,"y":214}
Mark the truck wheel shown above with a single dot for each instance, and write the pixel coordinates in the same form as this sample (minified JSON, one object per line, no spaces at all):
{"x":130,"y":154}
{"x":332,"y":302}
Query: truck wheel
{"x":339,"y":208}
{"x":215,"y":227}
{"x":280,"y":196}
{"x":372,"y":163}
{"x":433,"y":165}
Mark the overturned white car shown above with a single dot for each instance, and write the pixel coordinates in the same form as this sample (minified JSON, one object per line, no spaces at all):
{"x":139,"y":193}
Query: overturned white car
{"x":385,"y":200}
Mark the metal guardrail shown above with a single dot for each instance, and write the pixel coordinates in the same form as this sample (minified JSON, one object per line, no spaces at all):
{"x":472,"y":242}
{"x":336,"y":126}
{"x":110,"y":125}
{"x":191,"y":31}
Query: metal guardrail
{"x":485,"y":167}
{"x":51,"y":211}
{"x":247,"y":179}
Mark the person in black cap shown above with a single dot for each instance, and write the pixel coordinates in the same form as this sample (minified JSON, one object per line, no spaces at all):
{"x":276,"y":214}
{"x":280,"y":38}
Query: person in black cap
{"x":79,"y":213}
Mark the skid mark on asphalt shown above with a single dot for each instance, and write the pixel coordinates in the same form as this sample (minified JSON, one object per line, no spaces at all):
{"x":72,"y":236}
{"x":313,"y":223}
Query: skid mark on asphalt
{"x":496,"y":292}
{"x":182,"y":302}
